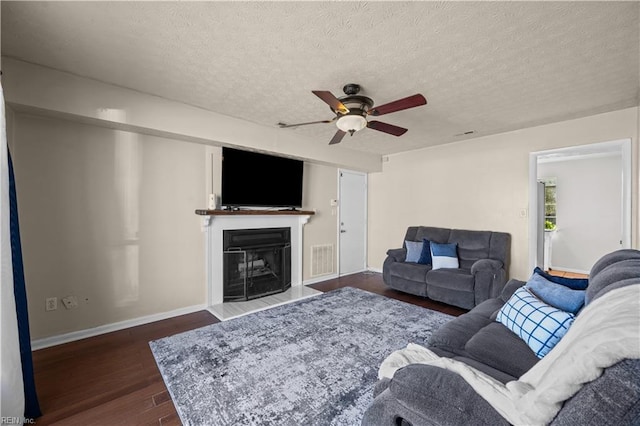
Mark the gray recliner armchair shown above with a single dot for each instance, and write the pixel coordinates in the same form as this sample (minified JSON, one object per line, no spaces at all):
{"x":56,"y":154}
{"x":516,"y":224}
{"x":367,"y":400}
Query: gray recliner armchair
{"x":421,"y":394}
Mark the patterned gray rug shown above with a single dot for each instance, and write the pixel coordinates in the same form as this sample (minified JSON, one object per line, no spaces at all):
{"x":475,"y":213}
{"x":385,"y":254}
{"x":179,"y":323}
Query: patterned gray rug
{"x":310,"y":362}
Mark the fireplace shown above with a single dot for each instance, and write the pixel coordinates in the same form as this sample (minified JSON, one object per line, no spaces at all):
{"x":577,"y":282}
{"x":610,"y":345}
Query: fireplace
{"x":216,"y":222}
{"x":256,"y":263}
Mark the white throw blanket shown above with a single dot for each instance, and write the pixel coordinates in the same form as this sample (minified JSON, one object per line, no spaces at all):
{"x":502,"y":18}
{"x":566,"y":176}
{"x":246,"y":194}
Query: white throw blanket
{"x":606,"y":332}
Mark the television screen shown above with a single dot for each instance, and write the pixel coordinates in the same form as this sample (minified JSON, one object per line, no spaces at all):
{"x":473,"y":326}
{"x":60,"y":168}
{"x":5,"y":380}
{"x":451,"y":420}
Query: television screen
{"x":260,"y":180}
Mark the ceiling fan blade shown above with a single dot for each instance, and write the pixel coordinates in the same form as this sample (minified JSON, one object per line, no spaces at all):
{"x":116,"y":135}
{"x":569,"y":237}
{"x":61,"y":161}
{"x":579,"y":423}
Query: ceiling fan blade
{"x":285,"y":125}
{"x":331,"y":100}
{"x":399,"y":105}
{"x":337,"y":138}
{"x":387,"y":128}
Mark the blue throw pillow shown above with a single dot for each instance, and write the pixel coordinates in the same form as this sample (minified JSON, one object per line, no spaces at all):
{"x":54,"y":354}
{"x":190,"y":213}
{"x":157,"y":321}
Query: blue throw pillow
{"x":414,"y":250}
{"x":540,"y":325}
{"x":557,"y":295}
{"x":444,"y":256}
{"x":425,"y":256}
{"x":574,"y":283}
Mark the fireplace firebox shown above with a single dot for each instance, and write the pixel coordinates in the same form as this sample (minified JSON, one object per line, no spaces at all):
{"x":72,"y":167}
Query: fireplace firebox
{"x":257,"y":263}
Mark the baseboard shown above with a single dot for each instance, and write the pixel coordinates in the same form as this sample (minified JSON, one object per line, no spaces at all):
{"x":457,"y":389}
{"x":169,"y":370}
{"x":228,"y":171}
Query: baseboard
{"x":320,"y":279}
{"x":359,"y":271}
{"x":108,"y":328}
{"x":334,"y":276}
{"x":562,"y":268}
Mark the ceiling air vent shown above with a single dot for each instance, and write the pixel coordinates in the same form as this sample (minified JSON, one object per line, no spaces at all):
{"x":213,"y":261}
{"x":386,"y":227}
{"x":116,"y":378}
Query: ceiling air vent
{"x":467,"y":133}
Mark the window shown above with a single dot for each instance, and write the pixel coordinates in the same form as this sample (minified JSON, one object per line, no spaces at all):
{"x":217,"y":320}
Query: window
{"x":549,"y":204}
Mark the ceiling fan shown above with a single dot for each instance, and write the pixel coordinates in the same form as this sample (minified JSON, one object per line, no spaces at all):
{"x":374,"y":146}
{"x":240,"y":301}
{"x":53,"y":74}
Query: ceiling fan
{"x":352,"y":110}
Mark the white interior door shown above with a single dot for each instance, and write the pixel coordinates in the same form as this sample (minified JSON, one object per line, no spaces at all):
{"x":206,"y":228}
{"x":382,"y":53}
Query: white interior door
{"x":352,"y":222}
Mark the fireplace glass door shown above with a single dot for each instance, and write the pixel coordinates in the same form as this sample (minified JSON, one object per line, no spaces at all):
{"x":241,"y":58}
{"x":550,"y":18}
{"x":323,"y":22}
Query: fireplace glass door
{"x":257,"y":263}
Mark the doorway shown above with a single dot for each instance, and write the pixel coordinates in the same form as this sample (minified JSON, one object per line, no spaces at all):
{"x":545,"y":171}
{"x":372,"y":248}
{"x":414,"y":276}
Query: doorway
{"x":613,"y":233}
{"x":352,"y":222}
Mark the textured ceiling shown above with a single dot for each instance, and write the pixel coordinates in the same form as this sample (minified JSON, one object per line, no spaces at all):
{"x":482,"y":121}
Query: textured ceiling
{"x":483,"y":66}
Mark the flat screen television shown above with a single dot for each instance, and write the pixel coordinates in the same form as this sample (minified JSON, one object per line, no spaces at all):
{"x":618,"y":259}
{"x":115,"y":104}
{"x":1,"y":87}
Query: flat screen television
{"x":251,"y":179}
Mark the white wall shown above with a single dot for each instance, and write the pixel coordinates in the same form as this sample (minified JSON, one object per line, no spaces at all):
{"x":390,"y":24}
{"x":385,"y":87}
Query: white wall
{"x":41,"y":89}
{"x":9,"y":116}
{"x":320,"y":187}
{"x":481,"y":183}
{"x":476,"y":184}
{"x":107,"y":216}
{"x":588,"y":209}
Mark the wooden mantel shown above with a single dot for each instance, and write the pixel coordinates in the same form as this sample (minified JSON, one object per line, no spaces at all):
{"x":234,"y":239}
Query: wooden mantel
{"x":254,"y":212}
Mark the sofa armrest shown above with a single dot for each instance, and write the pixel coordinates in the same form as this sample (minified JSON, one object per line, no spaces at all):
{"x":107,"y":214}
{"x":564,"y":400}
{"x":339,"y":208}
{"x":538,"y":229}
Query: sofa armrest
{"x":399,"y":254}
{"x":486,"y":265}
{"x":381,"y":386}
{"x":509,"y":288}
{"x":393,"y":256}
{"x":423,"y":394}
{"x":489,"y":278}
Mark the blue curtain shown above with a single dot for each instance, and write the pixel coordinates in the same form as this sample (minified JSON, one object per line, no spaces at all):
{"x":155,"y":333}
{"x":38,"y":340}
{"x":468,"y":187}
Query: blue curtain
{"x":31,"y":406}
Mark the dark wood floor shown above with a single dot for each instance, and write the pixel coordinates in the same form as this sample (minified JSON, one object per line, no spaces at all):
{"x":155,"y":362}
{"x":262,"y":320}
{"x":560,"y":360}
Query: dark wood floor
{"x":113,"y":378}
{"x":565,"y":274}
{"x":372,"y":282}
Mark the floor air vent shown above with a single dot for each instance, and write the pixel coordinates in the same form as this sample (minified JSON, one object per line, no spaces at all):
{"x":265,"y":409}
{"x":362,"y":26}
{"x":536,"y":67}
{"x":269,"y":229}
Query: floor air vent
{"x":322,"y":259}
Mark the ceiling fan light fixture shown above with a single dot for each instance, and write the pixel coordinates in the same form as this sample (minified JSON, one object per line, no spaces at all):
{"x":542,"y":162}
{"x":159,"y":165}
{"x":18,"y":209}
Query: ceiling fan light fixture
{"x":351,"y":123}
{"x":351,"y":112}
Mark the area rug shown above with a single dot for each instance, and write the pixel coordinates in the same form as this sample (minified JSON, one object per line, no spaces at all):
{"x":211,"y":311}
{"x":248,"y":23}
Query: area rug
{"x":310,"y":362}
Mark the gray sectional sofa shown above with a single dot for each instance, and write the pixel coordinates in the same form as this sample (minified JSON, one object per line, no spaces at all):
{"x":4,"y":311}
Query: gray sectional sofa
{"x":484,"y":265}
{"x":427,"y":395}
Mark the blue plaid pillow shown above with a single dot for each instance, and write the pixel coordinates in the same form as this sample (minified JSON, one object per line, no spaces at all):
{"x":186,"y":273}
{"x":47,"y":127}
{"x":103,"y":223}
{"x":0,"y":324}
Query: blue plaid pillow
{"x":540,"y":325}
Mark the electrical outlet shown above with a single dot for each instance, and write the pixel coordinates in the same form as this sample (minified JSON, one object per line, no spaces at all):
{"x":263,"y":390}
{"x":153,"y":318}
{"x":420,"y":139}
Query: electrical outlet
{"x":51,"y":303}
{"x":70,"y":302}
